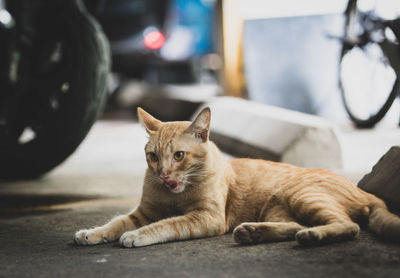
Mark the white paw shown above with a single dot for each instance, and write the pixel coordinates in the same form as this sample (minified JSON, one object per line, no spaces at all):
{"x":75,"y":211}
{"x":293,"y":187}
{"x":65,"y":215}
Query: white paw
{"x":89,"y":237}
{"x":134,"y":239}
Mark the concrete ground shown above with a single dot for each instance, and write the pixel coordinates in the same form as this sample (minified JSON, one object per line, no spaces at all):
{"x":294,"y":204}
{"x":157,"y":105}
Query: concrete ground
{"x":103,"y":178}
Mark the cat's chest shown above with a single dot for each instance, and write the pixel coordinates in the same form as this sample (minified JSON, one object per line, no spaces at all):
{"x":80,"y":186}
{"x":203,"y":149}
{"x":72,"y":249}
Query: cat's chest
{"x":170,"y":209}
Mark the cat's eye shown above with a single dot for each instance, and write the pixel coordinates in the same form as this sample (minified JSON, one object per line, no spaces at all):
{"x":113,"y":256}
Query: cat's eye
{"x":153,"y":157}
{"x":178,"y":156}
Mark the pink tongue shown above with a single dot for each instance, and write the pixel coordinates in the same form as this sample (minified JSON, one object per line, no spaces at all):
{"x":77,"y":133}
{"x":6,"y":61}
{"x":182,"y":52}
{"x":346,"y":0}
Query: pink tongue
{"x":173,"y":184}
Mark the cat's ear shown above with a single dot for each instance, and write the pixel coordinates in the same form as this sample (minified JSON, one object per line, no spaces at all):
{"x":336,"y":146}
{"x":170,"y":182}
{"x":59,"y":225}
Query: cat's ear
{"x":150,"y":123}
{"x":200,"y":127}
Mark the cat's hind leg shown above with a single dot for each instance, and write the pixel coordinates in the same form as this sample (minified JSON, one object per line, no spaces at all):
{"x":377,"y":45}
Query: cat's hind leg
{"x":334,"y":225}
{"x":257,"y":232}
{"x":280,"y":226}
{"x":333,"y":232}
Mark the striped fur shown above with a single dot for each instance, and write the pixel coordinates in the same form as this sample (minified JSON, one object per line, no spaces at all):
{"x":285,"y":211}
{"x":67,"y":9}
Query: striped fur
{"x":259,"y":201}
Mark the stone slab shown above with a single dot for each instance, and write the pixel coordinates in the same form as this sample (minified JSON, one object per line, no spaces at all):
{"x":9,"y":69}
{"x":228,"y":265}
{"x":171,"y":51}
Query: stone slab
{"x":249,"y":129}
{"x":384,"y":179}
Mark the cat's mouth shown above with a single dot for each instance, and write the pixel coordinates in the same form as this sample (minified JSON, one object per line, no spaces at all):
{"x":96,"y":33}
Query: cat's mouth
{"x":173,"y":185}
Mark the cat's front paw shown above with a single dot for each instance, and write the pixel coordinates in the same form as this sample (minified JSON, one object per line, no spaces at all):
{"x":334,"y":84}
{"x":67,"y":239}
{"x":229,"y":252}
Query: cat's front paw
{"x":89,"y":237}
{"x":134,"y":239}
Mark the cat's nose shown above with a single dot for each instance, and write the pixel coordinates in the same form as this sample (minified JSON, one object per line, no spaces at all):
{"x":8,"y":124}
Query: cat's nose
{"x":164,"y":176}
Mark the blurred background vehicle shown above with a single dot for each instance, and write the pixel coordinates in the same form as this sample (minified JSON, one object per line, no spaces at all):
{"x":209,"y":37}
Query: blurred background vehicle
{"x":55,"y":68}
{"x":369,"y":62}
{"x":54,"y":62}
{"x":157,"y":41}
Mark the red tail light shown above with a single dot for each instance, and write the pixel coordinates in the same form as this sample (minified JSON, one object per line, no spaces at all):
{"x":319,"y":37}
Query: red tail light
{"x":154,"y":39}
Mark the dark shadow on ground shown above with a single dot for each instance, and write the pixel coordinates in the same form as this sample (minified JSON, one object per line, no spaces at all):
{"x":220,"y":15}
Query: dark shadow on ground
{"x":18,"y":205}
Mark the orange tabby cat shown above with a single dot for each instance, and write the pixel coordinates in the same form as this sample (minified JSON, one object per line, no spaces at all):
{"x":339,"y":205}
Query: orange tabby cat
{"x":191,"y":191}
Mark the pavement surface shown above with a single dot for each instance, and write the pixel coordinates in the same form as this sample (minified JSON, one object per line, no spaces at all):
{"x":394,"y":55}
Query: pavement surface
{"x":38,"y":219}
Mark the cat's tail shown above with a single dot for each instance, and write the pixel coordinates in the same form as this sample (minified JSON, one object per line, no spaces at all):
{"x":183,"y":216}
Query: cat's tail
{"x":382,"y":222}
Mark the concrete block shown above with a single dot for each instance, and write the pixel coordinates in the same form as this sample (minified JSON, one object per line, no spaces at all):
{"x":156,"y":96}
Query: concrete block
{"x":384,"y":179}
{"x":248,"y":129}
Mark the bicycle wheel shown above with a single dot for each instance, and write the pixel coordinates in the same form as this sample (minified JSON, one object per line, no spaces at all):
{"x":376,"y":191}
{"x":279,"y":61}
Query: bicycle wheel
{"x":68,"y":64}
{"x":367,"y":80}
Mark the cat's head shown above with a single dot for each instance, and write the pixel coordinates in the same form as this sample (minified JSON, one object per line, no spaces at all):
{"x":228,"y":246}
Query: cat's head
{"x":176,"y":152}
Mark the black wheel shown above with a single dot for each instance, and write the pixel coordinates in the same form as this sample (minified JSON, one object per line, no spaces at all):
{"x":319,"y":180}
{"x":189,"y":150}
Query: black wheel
{"x":368,"y":80}
{"x":60,"y":92}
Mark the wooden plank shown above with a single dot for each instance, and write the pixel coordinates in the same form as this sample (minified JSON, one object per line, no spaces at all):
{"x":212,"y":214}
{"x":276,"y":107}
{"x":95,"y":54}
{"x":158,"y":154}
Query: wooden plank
{"x":232,"y":30}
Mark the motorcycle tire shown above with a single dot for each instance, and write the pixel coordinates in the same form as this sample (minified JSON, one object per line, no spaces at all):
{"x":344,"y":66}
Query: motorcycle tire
{"x":86,"y":63}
